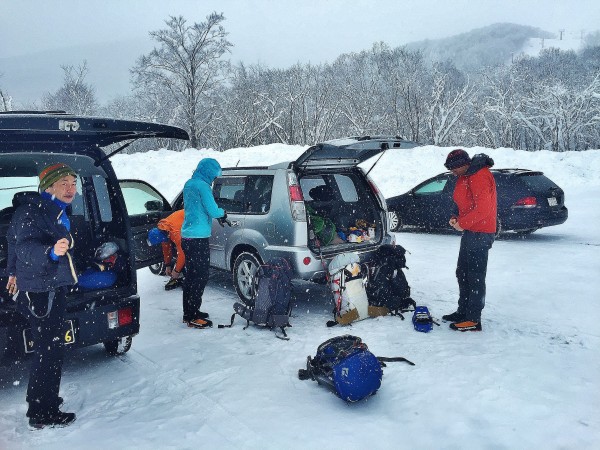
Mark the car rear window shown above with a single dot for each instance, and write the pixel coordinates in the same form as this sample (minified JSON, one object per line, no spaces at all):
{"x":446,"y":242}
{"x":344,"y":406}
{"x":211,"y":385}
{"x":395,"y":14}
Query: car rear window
{"x":538,"y":182}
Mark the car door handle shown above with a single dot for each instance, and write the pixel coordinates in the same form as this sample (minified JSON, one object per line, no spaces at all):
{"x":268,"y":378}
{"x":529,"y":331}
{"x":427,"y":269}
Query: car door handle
{"x":235,"y":223}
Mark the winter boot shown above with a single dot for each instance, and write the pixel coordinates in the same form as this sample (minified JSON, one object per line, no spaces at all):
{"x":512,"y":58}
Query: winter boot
{"x":467,"y":325}
{"x":200,"y":323}
{"x":173,"y":283}
{"x":55,"y":419}
{"x":454,"y":317}
{"x":200,"y":315}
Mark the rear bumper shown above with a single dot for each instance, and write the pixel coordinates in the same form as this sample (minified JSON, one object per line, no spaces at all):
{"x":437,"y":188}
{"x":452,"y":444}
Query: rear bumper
{"x":534,"y":219}
{"x":316,"y":268}
{"x":92,"y":327}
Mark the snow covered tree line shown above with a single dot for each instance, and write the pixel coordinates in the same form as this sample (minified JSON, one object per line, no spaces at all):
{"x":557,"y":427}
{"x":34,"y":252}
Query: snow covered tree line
{"x":547,"y":102}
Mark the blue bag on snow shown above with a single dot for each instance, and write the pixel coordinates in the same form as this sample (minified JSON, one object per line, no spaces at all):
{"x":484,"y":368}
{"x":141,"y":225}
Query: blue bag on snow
{"x":345,"y":365}
{"x":422,"y":320}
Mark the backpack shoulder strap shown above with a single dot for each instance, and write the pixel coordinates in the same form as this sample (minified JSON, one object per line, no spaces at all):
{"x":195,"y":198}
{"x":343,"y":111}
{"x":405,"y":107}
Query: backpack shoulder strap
{"x":384,"y":359}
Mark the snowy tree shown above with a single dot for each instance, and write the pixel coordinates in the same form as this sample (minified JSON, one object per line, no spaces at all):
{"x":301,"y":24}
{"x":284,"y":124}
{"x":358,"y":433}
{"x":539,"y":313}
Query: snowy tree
{"x":75,"y":95}
{"x":187,"y":64}
{"x":405,"y":80}
{"x":450,"y":98}
{"x":496,"y":108}
{"x":360,"y":93}
{"x":559,"y":115}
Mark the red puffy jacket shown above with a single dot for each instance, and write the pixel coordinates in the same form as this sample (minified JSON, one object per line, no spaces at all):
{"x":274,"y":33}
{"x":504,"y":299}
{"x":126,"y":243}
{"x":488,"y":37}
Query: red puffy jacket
{"x":475,"y":196}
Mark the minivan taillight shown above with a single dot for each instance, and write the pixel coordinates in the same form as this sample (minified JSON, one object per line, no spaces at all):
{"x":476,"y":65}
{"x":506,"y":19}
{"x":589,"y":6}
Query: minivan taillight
{"x":125,"y":316}
{"x":296,"y":199}
{"x":120,"y":318}
{"x":526,"y":202}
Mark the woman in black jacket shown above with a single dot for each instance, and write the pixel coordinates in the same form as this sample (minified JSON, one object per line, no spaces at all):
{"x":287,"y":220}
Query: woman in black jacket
{"x":40,"y":261}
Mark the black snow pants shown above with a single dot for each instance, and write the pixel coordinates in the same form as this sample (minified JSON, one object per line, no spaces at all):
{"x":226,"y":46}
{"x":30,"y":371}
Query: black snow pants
{"x":471,"y":270}
{"x":46,"y":314}
{"x":197,"y":263}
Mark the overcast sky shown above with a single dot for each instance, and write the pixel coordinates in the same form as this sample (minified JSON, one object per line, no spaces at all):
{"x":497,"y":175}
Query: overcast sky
{"x":277,"y":33}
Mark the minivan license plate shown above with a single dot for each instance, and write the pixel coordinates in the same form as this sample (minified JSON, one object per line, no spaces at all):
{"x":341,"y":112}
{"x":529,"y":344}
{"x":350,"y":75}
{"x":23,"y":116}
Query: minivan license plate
{"x":552,"y":201}
{"x":68,"y":336}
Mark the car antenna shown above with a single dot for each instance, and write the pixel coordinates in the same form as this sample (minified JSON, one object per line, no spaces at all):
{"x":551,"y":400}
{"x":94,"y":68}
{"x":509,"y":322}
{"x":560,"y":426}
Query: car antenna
{"x":237,"y":163}
{"x":384,"y":146}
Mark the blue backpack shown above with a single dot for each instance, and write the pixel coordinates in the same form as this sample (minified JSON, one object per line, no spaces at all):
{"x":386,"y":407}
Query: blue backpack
{"x":345,"y":365}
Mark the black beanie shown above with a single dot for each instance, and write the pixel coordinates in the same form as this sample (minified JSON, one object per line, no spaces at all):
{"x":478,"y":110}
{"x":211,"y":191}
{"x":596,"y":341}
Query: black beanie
{"x":457,"y":158}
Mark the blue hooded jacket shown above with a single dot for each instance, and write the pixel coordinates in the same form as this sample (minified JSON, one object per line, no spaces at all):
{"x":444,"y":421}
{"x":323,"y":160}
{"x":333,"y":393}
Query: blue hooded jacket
{"x":199,"y":204}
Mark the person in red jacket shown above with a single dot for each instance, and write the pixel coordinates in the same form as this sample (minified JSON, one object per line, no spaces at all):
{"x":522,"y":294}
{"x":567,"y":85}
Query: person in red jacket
{"x":475,"y":197}
{"x":168,"y":231}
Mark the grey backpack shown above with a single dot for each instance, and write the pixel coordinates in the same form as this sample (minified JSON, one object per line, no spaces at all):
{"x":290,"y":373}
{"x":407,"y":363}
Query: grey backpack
{"x":271,"y":305}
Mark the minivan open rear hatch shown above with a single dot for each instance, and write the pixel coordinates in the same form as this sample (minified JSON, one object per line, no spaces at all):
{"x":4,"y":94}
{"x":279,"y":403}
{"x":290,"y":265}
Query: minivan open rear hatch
{"x":24,"y":130}
{"x":348,"y":152}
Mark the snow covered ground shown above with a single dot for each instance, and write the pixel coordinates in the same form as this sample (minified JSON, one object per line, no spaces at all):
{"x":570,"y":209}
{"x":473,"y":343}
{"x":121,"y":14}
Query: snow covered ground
{"x":531,"y":379}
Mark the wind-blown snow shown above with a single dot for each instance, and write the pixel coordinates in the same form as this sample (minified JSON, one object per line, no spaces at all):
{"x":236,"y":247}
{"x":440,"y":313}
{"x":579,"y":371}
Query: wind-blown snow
{"x":531,"y":379}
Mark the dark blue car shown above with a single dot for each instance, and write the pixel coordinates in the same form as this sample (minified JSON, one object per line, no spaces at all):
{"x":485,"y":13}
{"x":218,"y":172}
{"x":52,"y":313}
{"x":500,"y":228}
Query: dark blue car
{"x":527,"y":201}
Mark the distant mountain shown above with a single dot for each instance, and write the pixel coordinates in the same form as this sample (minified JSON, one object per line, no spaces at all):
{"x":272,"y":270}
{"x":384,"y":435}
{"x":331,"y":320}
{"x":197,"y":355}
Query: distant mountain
{"x":482,"y":47}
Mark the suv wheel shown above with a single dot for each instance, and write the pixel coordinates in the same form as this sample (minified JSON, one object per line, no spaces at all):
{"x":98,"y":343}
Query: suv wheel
{"x":118,"y":346}
{"x":394,"y":221}
{"x":244,"y":276}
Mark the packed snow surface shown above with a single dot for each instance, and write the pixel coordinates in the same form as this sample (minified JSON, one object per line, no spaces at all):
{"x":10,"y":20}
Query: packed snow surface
{"x":531,"y":379}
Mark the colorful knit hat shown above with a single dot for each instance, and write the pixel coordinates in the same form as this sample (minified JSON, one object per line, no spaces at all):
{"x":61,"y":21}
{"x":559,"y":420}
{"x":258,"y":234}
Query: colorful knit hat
{"x":53,"y":173}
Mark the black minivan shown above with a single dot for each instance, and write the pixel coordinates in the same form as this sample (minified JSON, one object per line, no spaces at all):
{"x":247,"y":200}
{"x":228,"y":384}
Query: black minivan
{"x":30,"y":141}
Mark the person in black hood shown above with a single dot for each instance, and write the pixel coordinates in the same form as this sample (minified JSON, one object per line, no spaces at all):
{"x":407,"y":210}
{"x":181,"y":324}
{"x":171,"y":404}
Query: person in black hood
{"x":41,"y":265}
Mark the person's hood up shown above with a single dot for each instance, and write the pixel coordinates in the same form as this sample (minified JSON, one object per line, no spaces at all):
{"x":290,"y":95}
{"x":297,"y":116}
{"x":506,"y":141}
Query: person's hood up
{"x":478,"y":162}
{"x":207,"y":170}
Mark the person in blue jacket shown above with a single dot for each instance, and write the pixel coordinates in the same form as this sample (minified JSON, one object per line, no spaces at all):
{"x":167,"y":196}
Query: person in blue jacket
{"x":200,"y":209}
{"x":41,"y":264}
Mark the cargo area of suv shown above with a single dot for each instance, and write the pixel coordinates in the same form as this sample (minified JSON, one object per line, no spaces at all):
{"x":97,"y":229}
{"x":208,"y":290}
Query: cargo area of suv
{"x":107,"y":314}
{"x":341,"y":200}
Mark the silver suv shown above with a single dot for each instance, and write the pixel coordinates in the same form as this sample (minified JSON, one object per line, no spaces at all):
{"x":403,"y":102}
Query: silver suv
{"x":281,"y":210}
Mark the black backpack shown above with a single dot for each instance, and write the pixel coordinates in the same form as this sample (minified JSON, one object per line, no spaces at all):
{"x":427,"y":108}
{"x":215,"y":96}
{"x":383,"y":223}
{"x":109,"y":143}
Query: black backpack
{"x":387,"y":285}
{"x":271,"y":306}
{"x":345,"y":365}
